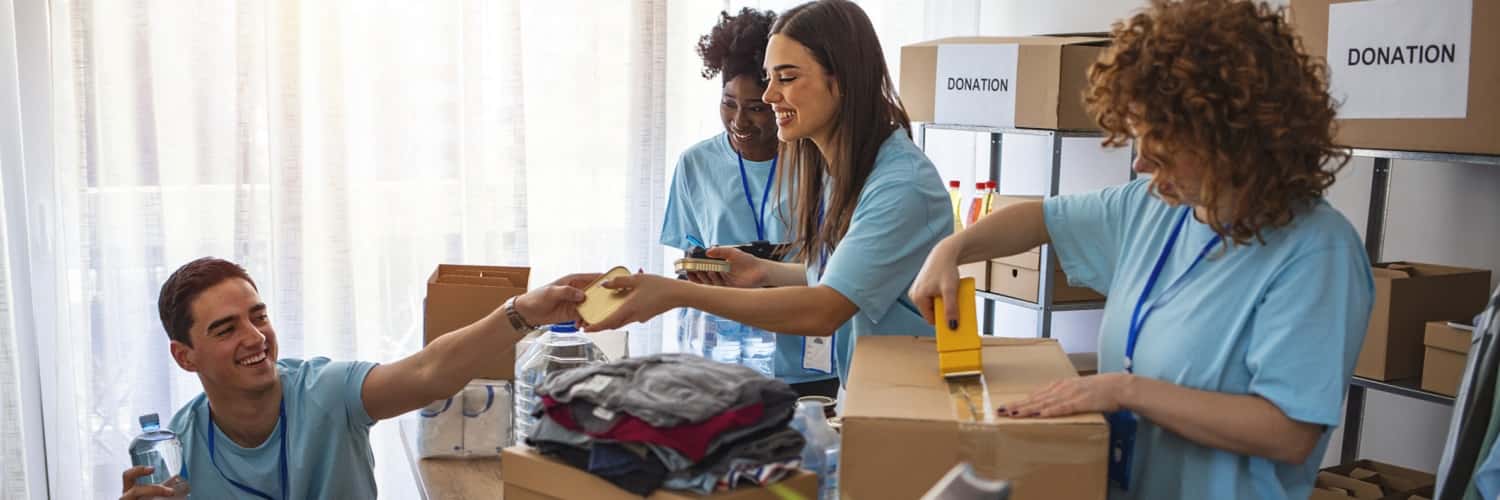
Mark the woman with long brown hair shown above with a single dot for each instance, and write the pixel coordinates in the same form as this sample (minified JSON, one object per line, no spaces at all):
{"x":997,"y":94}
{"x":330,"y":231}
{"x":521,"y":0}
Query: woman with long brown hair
{"x":1238,"y":298}
{"x":867,"y":205}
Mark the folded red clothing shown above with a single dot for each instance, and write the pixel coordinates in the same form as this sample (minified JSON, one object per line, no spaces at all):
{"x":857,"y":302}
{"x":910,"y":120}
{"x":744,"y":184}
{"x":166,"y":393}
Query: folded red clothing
{"x":692,"y":440}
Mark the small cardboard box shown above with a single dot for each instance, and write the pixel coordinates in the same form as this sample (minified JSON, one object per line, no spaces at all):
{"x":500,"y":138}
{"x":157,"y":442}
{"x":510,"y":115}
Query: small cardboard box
{"x":1407,"y":296}
{"x":531,"y":476}
{"x":1474,"y":132}
{"x":1371,"y":480}
{"x":1019,"y":276}
{"x":1447,"y":353}
{"x":1042,"y":77}
{"x":459,"y":295}
{"x":980,"y":271}
{"x":904,"y":425}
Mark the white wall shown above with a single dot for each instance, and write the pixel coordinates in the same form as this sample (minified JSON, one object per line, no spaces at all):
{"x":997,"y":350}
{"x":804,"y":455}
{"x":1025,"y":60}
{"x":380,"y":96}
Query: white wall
{"x":1440,"y":213}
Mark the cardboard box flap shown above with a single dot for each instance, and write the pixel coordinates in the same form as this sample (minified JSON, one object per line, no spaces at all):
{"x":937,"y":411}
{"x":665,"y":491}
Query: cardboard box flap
{"x":891,"y":383}
{"x":527,"y":469}
{"x":463,"y":279}
{"x":1441,"y":336}
{"x":1403,"y":269}
{"x":1019,"y":40}
{"x":517,"y":276}
{"x":1359,"y":489}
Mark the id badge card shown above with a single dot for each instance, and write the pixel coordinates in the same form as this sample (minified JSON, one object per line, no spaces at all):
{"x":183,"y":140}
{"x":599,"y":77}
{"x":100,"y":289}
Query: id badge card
{"x":817,"y":354}
{"x":1122,"y":428}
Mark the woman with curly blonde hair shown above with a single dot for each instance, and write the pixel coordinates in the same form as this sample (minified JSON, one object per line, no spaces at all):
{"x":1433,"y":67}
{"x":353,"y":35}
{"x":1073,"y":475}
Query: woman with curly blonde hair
{"x":1238,"y":298}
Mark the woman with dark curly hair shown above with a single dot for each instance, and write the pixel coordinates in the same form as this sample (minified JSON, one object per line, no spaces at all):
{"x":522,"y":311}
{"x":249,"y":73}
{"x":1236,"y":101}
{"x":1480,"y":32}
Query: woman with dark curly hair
{"x":722,"y":186}
{"x":1238,"y":298}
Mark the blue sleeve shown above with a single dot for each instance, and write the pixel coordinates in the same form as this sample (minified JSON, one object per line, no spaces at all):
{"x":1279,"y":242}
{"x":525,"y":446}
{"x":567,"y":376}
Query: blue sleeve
{"x":1307,"y":331}
{"x":336,"y":386}
{"x":889,"y":237}
{"x":678,"y":222}
{"x":1088,"y":230}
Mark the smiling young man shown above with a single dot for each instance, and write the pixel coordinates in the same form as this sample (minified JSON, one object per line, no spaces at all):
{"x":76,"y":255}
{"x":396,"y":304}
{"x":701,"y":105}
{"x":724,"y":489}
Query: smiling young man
{"x":276,"y":429}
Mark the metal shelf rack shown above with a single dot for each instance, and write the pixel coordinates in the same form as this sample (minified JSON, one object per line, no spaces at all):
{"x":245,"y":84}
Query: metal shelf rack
{"x":1044,"y":307}
{"x":1380,"y":189}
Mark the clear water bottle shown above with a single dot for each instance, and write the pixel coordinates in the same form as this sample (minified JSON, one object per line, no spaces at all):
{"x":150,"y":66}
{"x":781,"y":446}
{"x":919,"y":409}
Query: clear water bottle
{"x":821,"y":455}
{"x":561,"y":348}
{"x":759,"y":350}
{"x":722,"y":339}
{"x":158,"y":448}
{"x":689,"y":330}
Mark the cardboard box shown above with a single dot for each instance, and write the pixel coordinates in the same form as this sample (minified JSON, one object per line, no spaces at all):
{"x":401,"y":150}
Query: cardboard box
{"x":1042,"y":77}
{"x":1371,"y":480}
{"x":1447,"y":353}
{"x":980,"y":271}
{"x":531,"y":476}
{"x":460,"y":295}
{"x":903,"y":428}
{"x":1475,"y":132}
{"x":1407,"y":296}
{"x":1019,"y":276}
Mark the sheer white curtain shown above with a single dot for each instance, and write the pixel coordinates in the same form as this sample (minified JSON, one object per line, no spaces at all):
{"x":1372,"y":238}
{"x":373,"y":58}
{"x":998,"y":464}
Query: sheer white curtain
{"x":337,"y":149}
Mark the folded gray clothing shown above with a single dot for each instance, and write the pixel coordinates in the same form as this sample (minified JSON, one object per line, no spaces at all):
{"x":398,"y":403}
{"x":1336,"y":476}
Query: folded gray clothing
{"x":740,"y":460}
{"x":666,"y":390}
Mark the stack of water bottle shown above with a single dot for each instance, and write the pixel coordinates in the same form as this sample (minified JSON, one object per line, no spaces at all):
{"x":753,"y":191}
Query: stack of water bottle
{"x":726,"y":341}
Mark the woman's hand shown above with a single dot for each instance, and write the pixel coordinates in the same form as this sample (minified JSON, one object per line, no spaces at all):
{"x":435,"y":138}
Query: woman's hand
{"x":556,"y":302}
{"x":745,"y":270}
{"x":938,"y":278}
{"x":1102,"y":393}
{"x":649,"y":296}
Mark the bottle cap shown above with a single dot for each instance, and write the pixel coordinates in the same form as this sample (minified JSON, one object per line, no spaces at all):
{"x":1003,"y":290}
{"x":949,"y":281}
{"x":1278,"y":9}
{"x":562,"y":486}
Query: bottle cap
{"x":565,"y":327}
{"x":150,"y":422}
{"x":954,"y":183}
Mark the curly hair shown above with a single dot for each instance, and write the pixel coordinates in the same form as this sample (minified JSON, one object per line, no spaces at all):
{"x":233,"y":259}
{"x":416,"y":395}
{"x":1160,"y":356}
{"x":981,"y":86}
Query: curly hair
{"x":737,"y":44}
{"x":1226,"y":83}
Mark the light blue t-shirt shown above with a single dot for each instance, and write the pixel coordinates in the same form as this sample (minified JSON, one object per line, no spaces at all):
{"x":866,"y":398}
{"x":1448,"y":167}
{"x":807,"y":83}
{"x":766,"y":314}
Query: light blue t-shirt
{"x":708,"y":201}
{"x":1283,"y":320}
{"x":903,"y":211}
{"x":328,"y":448}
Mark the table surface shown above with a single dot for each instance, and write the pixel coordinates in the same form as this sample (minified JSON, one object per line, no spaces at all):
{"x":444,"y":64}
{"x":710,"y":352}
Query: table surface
{"x":451,"y":478}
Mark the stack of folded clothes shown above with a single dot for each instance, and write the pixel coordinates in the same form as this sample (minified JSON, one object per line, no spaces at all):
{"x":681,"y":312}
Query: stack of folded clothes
{"x":675,"y":421}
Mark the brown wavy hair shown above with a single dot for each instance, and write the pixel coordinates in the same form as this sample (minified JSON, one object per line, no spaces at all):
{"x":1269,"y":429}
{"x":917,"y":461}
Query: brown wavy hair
{"x":1228,"y":84}
{"x":842,"y":39}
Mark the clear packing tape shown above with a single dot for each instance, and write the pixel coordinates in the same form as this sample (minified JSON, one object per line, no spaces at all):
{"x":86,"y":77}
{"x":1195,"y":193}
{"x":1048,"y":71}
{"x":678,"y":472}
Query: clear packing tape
{"x":1037,"y":451}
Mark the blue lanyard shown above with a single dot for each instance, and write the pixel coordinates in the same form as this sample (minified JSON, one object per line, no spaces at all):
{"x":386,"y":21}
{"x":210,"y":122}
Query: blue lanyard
{"x":760,"y":215}
{"x":822,"y":249}
{"x":1138,"y":317}
{"x":213,"y":458}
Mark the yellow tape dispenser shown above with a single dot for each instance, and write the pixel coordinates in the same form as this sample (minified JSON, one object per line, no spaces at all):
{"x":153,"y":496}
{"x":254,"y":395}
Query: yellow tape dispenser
{"x":959,"y":349}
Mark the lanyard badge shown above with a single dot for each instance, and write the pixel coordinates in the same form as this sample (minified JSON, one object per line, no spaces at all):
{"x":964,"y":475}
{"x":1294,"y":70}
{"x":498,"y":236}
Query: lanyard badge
{"x":1123,"y":424}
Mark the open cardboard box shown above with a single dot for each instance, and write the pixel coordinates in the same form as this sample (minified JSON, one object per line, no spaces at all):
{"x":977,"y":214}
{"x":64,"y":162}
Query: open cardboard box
{"x":458,"y":295}
{"x":1447,"y":354}
{"x":531,"y":476}
{"x":1407,"y":296}
{"x":1371,"y":480}
{"x":904,"y":425}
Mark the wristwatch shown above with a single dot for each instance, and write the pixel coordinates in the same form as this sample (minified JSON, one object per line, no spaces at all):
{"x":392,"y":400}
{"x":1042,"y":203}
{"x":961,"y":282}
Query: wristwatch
{"x":516,"y":321}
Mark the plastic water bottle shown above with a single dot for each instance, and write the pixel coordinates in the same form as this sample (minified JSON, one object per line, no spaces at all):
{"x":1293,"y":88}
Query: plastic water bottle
{"x":689,"y":330}
{"x":158,"y":448}
{"x":821,"y":455}
{"x":561,"y":348}
{"x":758,"y":350}
{"x":722,"y":339}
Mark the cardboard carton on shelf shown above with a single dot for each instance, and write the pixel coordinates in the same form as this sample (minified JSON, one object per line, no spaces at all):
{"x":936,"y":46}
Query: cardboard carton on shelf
{"x":1027,"y":81}
{"x":1372,"y":480}
{"x":1401,"y":96}
{"x":1446,"y":355}
{"x":1407,"y":296}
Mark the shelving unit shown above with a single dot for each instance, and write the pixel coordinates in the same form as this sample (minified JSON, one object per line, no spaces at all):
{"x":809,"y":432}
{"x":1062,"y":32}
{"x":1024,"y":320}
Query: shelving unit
{"x":1044,"y":307}
{"x":1380,"y":189}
